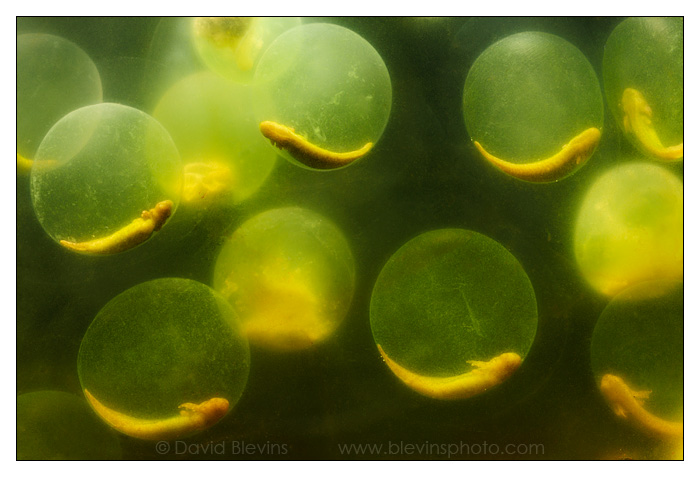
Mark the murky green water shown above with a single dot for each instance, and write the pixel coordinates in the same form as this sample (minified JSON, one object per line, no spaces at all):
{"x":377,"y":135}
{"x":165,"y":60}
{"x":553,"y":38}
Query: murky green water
{"x":422,"y":174}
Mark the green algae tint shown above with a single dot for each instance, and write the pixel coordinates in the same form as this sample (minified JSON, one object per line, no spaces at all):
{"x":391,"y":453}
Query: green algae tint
{"x":328,"y":84}
{"x":528,"y":95}
{"x":646,"y":55}
{"x":211,"y":122}
{"x":289,"y":275}
{"x":641,"y":340}
{"x":54,"y":425}
{"x":629,"y":228}
{"x":54,"y":77}
{"x":161,"y":344}
{"x":449,"y":296}
{"x":99,"y":168}
{"x":232,"y":46}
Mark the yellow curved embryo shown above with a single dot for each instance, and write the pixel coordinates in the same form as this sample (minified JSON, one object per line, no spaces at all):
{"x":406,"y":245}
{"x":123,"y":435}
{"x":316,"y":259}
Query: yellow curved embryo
{"x":137,"y":232}
{"x":303,"y":151}
{"x":485,"y":375}
{"x":626,"y":403}
{"x":572,"y":155}
{"x":637,"y":120}
{"x":192,"y":418}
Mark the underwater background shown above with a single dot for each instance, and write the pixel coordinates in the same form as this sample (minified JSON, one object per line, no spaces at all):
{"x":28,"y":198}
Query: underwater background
{"x":423,"y":174}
